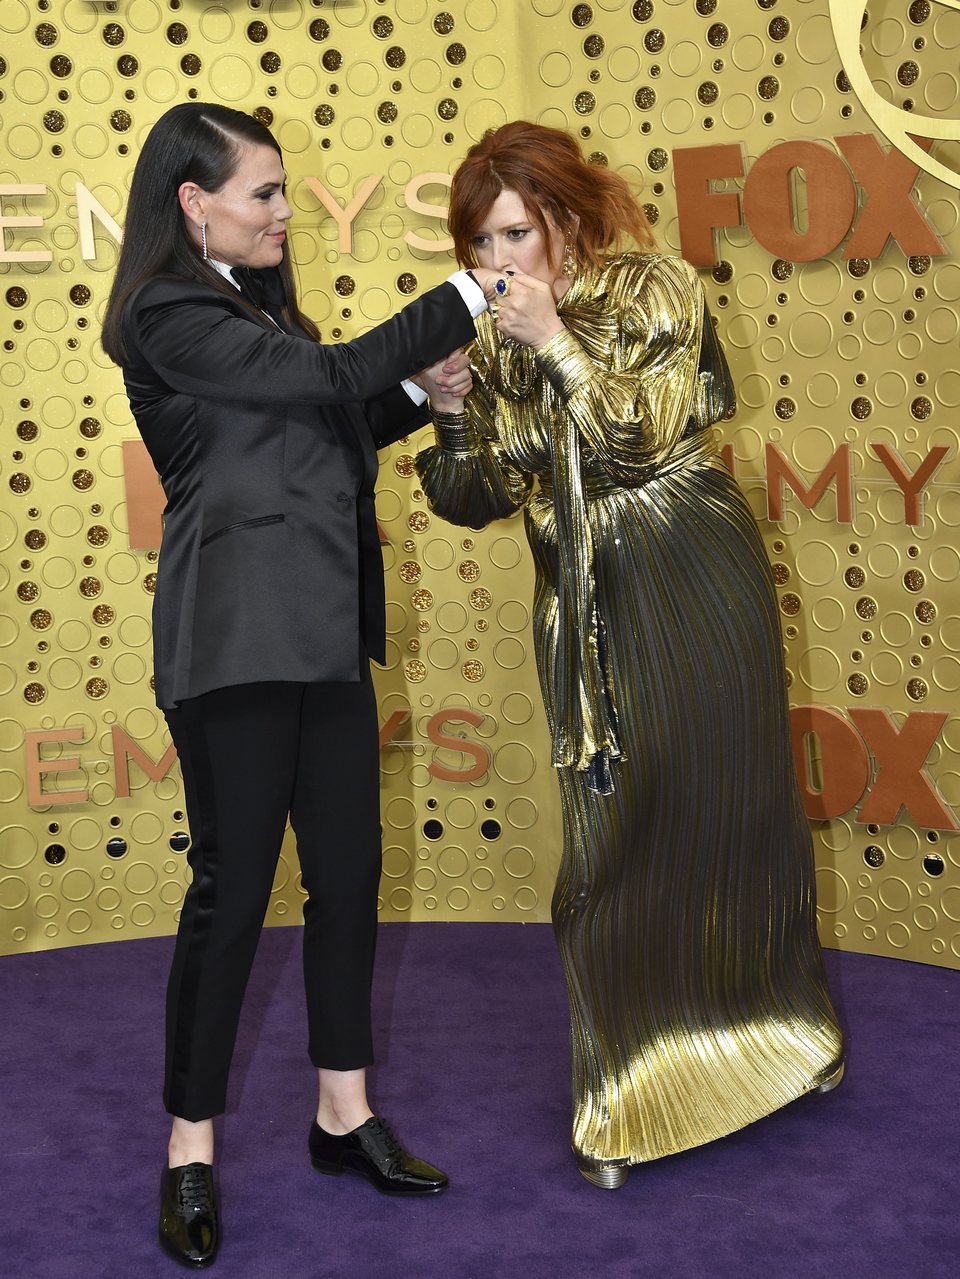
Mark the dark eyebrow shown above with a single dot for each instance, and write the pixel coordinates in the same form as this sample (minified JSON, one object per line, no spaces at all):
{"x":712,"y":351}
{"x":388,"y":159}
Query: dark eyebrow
{"x":508,"y":226}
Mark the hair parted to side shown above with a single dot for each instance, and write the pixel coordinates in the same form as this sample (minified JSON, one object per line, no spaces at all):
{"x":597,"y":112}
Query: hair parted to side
{"x":197,"y":142}
{"x":593,"y":206}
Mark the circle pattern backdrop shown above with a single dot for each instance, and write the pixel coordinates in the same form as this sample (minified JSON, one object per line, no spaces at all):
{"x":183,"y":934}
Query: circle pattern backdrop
{"x":828,"y":355}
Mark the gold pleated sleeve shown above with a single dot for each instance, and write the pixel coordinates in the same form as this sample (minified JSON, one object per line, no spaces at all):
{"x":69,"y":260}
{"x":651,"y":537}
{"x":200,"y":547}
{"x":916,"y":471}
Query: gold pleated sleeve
{"x":467,"y":477}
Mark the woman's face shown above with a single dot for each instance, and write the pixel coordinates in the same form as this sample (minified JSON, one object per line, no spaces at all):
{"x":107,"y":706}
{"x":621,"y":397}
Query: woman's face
{"x":246,"y":219}
{"x":508,"y":241}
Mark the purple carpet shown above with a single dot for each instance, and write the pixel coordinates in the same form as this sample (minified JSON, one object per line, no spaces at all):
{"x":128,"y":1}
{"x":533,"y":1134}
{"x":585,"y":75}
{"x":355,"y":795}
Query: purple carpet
{"x":471,"y":1034}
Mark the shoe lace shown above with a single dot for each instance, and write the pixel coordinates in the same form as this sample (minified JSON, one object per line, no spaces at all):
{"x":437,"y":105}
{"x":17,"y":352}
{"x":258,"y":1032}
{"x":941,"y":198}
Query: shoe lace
{"x":193,"y":1191}
{"x":391,"y":1147}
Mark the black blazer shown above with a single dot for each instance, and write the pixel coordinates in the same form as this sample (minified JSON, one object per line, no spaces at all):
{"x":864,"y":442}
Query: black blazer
{"x":265,"y":442}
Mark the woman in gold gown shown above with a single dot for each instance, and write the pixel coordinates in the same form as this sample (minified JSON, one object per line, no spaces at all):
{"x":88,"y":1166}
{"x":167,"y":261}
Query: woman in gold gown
{"x":684,"y":907}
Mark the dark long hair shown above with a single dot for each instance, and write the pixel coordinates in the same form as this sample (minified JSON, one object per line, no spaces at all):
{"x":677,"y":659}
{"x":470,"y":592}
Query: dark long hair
{"x":193,"y":142}
{"x":547,"y":170}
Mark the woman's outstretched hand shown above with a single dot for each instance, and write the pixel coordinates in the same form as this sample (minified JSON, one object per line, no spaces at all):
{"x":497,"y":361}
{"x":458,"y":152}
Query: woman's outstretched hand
{"x":527,"y":310}
{"x":447,"y":382}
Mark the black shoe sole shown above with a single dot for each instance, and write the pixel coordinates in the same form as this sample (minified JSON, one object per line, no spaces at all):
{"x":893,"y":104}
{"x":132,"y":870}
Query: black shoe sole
{"x":337,"y":1170}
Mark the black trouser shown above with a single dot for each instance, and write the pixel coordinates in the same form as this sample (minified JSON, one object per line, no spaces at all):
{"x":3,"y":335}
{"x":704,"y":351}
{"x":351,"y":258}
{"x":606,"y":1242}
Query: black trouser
{"x":251,"y":755}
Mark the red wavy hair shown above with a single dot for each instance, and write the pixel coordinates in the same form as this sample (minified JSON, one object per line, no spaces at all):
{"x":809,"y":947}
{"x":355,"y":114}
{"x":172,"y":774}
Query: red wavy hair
{"x":593,"y":206}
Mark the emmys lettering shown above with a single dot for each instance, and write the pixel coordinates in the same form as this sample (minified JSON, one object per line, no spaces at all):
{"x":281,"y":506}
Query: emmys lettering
{"x":781,"y":474}
{"x":88,"y":208}
{"x":126,"y":749}
{"x":146,"y":500}
{"x":871,"y":759}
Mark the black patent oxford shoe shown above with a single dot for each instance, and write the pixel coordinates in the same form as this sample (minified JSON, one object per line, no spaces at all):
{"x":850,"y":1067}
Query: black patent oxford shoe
{"x":189,"y":1225}
{"x":374,"y":1152}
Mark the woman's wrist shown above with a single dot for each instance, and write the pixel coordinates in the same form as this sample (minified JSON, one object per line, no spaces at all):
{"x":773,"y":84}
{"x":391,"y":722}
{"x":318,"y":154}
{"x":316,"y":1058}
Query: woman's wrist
{"x":446,"y":403}
{"x":554,"y":327}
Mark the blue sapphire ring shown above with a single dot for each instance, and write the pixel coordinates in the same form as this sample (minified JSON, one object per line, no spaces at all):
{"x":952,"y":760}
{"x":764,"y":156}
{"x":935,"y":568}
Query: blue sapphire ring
{"x":502,"y":286}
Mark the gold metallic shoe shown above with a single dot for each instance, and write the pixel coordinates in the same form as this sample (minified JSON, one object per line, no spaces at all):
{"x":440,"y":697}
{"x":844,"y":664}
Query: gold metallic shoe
{"x":605,"y":1173}
{"x":832,"y":1080}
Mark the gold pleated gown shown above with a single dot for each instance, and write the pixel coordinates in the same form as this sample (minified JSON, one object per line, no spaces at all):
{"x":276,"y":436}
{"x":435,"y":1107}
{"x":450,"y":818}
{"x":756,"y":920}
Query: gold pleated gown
{"x":684,"y":907}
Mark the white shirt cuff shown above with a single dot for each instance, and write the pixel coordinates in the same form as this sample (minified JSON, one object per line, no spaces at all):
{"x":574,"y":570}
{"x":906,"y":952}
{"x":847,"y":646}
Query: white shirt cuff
{"x":475,"y":303}
{"x":416,"y":393}
{"x":470,"y":291}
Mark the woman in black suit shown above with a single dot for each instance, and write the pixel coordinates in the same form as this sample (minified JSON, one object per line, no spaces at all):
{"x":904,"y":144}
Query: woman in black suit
{"x":269,"y":602}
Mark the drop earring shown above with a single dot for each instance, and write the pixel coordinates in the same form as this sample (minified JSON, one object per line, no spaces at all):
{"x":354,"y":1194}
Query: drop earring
{"x":569,"y":261}
{"x":203,"y":240}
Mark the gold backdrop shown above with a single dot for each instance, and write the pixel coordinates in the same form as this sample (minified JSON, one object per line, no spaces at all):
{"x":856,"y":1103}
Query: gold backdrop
{"x":835,"y":291}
